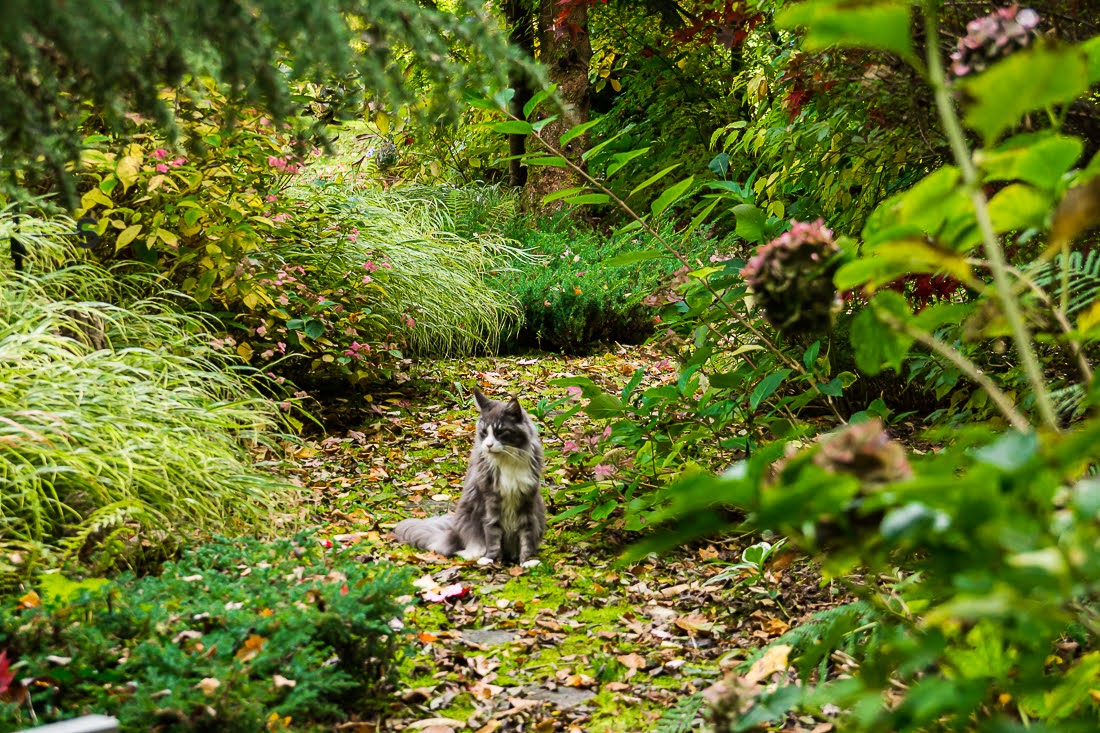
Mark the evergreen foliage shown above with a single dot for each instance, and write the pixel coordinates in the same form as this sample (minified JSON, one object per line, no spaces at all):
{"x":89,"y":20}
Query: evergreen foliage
{"x":65,"y":61}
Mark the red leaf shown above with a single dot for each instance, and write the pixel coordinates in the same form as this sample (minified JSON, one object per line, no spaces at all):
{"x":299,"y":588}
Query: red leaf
{"x":6,"y":675}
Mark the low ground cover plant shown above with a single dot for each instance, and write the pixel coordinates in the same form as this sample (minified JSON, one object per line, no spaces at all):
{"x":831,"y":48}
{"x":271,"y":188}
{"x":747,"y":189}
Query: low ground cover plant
{"x":238,"y":635}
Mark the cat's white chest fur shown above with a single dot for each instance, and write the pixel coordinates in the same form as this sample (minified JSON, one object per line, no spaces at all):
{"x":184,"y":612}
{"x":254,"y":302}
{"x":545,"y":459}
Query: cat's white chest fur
{"x":514,"y":482}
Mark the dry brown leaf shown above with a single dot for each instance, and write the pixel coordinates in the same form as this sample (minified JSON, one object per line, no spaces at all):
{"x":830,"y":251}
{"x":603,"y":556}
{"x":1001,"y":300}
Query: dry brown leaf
{"x":774,"y":660}
{"x":776,"y":626}
{"x":251,"y":647}
{"x":29,"y":600}
{"x":632,"y":660}
{"x":427,"y":724}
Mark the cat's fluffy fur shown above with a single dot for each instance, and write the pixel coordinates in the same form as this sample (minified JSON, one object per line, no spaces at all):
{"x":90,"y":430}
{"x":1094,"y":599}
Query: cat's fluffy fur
{"x":500,"y":515}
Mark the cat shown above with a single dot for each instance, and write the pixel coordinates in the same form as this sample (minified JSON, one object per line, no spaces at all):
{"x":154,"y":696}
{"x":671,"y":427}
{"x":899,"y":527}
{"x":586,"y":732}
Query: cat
{"x":500,"y":515}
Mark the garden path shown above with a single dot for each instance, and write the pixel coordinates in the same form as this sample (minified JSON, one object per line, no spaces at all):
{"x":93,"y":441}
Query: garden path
{"x":579,"y":643}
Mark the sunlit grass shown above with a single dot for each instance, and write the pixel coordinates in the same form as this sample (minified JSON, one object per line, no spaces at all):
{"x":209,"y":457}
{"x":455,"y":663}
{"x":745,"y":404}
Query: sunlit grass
{"x":115,"y":409}
{"x":439,"y":264}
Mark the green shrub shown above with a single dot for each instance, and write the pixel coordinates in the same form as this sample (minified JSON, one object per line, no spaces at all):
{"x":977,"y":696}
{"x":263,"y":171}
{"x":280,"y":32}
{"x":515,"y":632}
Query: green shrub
{"x":120,"y":417}
{"x":235,"y":636}
{"x":572,"y":299}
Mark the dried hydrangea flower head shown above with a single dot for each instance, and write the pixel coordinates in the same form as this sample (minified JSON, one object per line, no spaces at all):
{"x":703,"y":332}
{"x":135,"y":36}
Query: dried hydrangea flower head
{"x":994,"y":37}
{"x":792,"y":278}
{"x":866,"y":451}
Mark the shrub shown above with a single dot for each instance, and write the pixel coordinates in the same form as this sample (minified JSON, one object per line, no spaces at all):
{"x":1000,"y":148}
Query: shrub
{"x":119,"y":416}
{"x":575,"y":299}
{"x":298,"y":259}
{"x":235,"y":636}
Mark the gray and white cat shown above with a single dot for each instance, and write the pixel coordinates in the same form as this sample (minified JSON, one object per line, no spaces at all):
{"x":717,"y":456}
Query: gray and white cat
{"x":500,"y":515}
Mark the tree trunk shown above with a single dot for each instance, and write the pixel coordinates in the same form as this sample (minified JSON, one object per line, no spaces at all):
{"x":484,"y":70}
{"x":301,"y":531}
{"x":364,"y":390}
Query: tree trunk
{"x":565,"y":51}
{"x":520,"y":17}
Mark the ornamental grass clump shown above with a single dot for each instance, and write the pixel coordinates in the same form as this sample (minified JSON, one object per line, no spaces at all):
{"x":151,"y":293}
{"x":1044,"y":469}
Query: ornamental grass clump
{"x":792,"y":278}
{"x":993,"y":37}
{"x":120,"y":420}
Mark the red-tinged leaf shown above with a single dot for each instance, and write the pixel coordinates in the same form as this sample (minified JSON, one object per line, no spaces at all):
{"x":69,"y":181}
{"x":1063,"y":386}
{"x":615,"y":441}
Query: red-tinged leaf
{"x":6,"y":675}
{"x":344,"y":589}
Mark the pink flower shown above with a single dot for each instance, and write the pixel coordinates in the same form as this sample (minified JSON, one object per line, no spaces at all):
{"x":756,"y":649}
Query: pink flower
{"x":278,"y":164}
{"x":271,"y":197}
{"x":603,"y":470}
{"x":369,"y":266}
{"x":261,"y":330}
{"x":573,"y":391}
{"x":284,"y":406}
{"x":177,"y":162}
{"x":367,"y":279}
{"x":607,"y":432}
{"x":160,"y":153}
{"x":570,"y":446}
{"x":162,"y":168}
{"x":387,"y":265}
{"x":281,"y":347}
{"x":409,"y":322}
{"x":353,"y":237}
{"x":267,"y":354}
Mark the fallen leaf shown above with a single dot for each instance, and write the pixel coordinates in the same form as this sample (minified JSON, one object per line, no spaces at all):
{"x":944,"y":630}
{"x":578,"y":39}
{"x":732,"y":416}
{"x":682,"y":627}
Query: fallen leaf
{"x":250,"y":649}
{"x":208,"y":685}
{"x":29,"y":600}
{"x":776,"y":626}
{"x":774,"y":660}
{"x":616,"y":687}
{"x":439,"y":722}
{"x":450,"y":593}
{"x":281,"y":681}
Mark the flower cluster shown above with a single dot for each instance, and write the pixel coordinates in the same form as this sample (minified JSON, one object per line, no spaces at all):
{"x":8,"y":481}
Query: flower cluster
{"x":791,"y":277}
{"x":282,"y":165}
{"x":993,"y":37}
{"x":866,"y":451}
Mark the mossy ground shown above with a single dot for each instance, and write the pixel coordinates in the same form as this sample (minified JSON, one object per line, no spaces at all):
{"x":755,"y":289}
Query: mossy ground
{"x":580,"y":643}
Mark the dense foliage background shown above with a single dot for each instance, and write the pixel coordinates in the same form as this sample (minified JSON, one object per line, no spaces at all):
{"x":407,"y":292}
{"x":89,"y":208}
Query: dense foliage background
{"x":862,"y":235}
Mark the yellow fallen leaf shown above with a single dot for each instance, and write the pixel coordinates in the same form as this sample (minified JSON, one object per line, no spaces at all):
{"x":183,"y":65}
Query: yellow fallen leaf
{"x":774,"y":660}
{"x":251,"y":648}
{"x":30,"y":600}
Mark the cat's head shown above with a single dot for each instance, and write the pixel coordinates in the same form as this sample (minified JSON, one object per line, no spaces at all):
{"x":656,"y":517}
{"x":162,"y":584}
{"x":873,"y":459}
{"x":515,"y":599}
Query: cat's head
{"x":503,"y":428}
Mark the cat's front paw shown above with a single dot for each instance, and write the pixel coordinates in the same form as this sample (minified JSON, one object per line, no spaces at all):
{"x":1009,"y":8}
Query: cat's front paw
{"x":485,"y":561}
{"x":532,"y":563}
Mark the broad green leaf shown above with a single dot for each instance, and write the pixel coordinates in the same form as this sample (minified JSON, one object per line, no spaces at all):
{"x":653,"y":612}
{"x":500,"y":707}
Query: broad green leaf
{"x":670,"y":195}
{"x":588,"y":198}
{"x":603,"y":406}
{"x":877,"y":345}
{"x":503,"y":98}
{"x":95,"y":196}
{"x":1030,"y":79}
{"x":57,"y":587}
{"x":128,"y":169}
{"x":562,"y":194}
{"x":513,"y":127}
{"x":545,"y":160}
{"x":1091,"y":48}
{"x":882,"y":25}
{"x":314,"y":328}
{"x":925,"y":207}
{"x":537,"y":99}
{"x":653,"y":179}
{"x":579,"y":130}
{"x":809,"y":357}
{"x":767,"y":386}
{"x":168,"y":237}
{"x":1019,"y":206}
{"x":603,"y":144}
{"x":629,"y":258}
{"x":1040,"y":160}
{"x":127,"y":235}
{"x":618,"y":160}
{"x":750,"y":222}
{"x":1010,"y":452}
{"x":537,"y":126}
{"x":588,"y":387}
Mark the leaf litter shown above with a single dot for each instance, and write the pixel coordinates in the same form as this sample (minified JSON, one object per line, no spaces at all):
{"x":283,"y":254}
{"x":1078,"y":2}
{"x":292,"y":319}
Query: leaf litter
{"x":578,"y":643}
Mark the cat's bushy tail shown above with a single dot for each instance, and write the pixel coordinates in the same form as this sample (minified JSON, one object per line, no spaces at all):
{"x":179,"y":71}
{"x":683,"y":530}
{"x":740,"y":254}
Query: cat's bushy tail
{"x":432,"y":534}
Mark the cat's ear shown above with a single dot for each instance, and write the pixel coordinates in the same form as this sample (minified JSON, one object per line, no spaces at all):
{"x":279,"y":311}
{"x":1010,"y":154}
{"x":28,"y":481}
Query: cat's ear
{"x":513,"y":407}
{"x":483,"y":402}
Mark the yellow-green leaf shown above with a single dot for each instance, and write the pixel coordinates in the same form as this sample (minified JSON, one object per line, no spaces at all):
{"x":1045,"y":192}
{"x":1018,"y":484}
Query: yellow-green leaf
{"x":128,"y":169}
{"x":168,"y":237}
{"x":126,"y":236}
{"x":93,"y":197}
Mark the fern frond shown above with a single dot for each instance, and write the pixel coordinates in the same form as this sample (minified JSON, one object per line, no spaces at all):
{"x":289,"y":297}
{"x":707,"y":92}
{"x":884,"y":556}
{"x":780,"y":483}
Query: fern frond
{"x":1084,"y":279}
{"x":106,"y":517}
{"x":810,"y":631}
{"x":681,"y":717}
